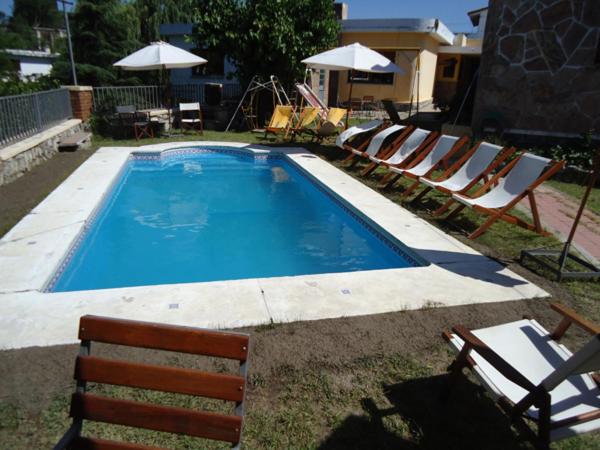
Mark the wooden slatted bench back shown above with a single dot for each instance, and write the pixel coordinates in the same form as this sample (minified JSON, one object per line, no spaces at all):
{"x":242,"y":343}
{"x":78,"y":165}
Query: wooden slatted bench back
{"x":204,"y":424}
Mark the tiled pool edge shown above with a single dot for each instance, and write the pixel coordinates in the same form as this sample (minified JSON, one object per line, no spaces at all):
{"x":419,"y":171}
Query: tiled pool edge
{"x":25,"y":314}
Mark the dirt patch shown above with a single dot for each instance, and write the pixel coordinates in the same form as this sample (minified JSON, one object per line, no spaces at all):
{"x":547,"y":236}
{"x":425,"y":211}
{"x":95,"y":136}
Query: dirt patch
{"x":32,"y":377}
{"x":23,"y":194}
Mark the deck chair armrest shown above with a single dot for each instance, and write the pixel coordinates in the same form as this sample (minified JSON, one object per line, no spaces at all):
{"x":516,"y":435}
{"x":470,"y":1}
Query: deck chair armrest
{"x":570,"y":317}
{"x":472,"y":342}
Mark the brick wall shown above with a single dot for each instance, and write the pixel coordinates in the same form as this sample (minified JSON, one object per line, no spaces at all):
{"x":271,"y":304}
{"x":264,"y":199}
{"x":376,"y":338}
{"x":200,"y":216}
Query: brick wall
{"x":81,"y":101}
{"x":540,"y":67}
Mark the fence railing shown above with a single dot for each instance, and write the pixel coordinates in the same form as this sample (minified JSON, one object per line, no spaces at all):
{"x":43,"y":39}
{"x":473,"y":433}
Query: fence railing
{"x":144,"y":97}
{"x":24,"y":115}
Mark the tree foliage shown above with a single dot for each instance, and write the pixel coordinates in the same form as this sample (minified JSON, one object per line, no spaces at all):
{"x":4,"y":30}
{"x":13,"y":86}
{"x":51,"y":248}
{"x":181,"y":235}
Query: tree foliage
{"x":264,"y":37}
{"x":37,"y":13}
{"x":153,"y":13}
{"x":103,"y":31}
{"x":17,"y":31}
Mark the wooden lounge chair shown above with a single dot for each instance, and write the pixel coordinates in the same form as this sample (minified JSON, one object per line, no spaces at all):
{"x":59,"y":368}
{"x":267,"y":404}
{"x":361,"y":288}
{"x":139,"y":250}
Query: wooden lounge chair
{"x":425,"y":163}
{"x":306,"y":118}
{"x":515,"y":181}
{"x":330,"y":126}
{"x":400,"y":155}
{"x":138,"y":122}
{"x":98,"y":408}
{"x":532,"y":376}
{"x":191,"y":116}
{"x":379,"y":144}
{"x":475,"y":165}
{"x":280,"y":121}
{"x":362,"y":130}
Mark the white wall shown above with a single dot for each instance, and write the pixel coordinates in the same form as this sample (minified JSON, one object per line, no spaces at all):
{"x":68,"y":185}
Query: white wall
{"x":34,"y":66}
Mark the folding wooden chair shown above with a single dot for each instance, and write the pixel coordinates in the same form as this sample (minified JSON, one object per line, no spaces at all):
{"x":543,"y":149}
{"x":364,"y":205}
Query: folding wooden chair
{"x":400,"y":154}
{"x":424,"y":163}
{"x":533,"y":377}
{"x":280,"y":120}
{"x":361,"y":132}
{"x":191,"y":117}
{"x":474,"y":166}
{"x":98,"y":408}
{"x":138,"y":121}
{"x":306,"y":118}
{"x":329,"y":126}
{"x":517,"y":180}
{"x":380,"y":143}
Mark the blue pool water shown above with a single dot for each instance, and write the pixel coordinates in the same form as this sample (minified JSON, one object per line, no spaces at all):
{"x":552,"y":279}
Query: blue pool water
{"x":209,"y":216}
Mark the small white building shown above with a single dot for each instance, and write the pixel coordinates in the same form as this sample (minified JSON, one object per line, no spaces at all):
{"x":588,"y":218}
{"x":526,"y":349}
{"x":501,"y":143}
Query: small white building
{"x":31,"y":62}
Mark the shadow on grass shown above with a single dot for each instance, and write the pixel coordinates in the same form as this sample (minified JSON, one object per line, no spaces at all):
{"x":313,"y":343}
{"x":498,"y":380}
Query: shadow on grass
{"x":467,"y":420}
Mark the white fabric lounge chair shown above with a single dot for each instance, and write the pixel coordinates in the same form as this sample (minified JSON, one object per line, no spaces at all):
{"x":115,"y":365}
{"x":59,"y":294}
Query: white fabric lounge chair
{"x":445,"y":147}
{"x":515,"y":181}
{"x":532,"y":376}
{"x":353,"y":131}
{"x":376,"y":143}
{"x":465,"y":173}
{"x":407,"y":148}
{"x":470,"y":172}
{"x":399,"y":155}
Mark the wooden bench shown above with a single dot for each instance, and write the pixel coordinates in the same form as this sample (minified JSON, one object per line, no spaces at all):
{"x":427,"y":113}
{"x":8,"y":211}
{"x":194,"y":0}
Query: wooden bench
{"x":204,"y":424}
{"x":75,"y":141}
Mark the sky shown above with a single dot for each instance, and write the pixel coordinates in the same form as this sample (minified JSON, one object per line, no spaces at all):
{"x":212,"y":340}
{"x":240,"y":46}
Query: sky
{"x":452,"y":12}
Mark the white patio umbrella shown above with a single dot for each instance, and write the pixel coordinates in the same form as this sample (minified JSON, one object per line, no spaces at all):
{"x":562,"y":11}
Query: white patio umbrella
{"x":160,"y":56}
{"x":352,"y":57}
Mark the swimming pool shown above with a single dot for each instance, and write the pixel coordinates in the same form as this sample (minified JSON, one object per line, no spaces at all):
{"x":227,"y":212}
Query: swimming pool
{"x":199,"y":214}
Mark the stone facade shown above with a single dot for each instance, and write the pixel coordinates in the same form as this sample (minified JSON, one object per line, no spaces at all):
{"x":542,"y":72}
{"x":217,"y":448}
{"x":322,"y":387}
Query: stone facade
{"x":540,"y":68}
{"x":19,"y":158}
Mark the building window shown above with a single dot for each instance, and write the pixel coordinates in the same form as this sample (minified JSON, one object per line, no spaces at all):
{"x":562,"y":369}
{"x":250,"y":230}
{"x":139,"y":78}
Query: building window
{"x":447,"y":69}
{"x":374,"y":78}
{"x":322,"y":85}
{"x":215,"y":65}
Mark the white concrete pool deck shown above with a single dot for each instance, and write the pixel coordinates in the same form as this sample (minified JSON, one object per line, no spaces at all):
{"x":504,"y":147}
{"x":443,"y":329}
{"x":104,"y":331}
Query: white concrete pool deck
{"x":31,"y":252}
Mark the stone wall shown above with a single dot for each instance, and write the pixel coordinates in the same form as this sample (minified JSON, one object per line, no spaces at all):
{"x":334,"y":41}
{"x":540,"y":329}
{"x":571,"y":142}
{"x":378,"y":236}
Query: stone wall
{"x":19,"y":158}
{"x":540,"y":68}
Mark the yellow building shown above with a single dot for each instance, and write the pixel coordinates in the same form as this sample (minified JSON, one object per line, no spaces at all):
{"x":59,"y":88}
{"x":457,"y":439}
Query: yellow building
{"x":426,"y":49}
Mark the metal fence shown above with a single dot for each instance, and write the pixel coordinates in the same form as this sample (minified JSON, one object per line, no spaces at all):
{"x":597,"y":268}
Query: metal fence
{"x":144,"y":97}
{"x":24,"y":115}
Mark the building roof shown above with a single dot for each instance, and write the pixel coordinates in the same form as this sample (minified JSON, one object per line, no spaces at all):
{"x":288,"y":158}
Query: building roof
{"x":475,"y":14}
{"x":433,"y":27}
{"x":30,"y":53}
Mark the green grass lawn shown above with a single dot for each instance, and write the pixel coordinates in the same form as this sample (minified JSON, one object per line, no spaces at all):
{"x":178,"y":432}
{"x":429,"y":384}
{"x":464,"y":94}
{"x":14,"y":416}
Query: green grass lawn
{"x":385,"y":396}
{"x":576,"y":191}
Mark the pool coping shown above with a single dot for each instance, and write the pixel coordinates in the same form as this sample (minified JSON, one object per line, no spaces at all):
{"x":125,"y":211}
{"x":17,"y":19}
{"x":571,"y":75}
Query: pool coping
{"x":32,"y":250}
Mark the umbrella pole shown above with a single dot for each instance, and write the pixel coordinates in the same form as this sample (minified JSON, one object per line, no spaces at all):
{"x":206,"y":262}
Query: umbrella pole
{"x":350,"y":97}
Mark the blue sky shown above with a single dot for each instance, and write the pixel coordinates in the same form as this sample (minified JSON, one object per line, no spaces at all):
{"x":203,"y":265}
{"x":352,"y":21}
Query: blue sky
{"x":452,"y":12}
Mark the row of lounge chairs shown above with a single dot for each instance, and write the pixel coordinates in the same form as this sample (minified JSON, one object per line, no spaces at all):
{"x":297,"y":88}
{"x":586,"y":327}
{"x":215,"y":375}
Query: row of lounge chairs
{"x":526,"y":369}
{"x":287,"y":121}
{"x":418,"y":154}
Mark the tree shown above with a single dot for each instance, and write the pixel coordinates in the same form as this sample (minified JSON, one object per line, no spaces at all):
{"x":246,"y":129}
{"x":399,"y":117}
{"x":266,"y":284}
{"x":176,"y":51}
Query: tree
{"x":264,"y":37}
{"x":153,"y":13}
{"x":37,"y":13}
{"x":103,"y":31}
